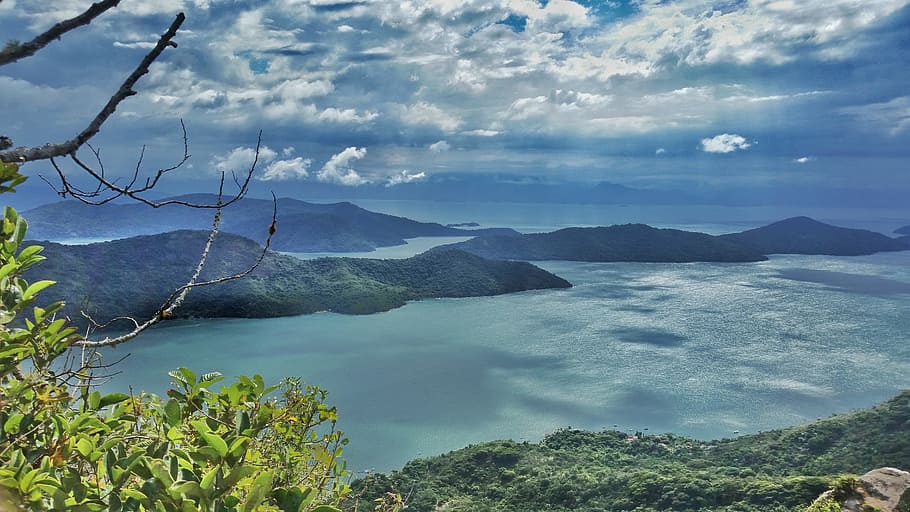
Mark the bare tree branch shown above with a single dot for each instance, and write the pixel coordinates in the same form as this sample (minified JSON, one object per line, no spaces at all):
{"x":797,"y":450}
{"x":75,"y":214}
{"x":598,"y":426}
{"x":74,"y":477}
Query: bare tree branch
{"x":16,"y":51}
{"x":26,"y":154}
{"x":106,"y":185}
{"x":179,"y":294}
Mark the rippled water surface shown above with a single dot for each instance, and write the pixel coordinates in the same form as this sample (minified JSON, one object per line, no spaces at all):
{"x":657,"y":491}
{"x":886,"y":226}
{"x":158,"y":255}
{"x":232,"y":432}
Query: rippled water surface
{"x":696,"y":349}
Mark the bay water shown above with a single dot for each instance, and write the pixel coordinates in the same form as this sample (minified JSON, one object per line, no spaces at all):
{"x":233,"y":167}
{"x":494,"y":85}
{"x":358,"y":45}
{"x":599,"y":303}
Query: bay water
{"x":702,"y":349}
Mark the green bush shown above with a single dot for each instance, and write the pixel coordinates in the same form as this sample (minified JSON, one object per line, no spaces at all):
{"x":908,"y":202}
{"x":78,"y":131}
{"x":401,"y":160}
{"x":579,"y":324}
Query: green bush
{"x":240,"y":446}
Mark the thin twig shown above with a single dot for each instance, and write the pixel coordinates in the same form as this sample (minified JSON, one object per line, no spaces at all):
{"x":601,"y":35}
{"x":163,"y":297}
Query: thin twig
{"x":179,"y":294}
{"x":116,"y":191}
{"x":26,"y":154}
{"x":16,"y":52}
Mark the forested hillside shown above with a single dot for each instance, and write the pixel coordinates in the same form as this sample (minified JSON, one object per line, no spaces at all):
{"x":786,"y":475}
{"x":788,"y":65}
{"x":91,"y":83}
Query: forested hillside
{"x":305,"y":227}
{"x":574,"y":470}
{"x":131,"y":277}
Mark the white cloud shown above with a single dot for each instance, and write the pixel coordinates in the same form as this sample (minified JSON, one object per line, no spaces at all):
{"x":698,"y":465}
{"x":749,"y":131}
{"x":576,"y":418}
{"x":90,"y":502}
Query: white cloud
{"x":405,"y":176}
{"x":803,"y":160}
{"x":346,"y":28}
{"x":294,"y":168}
{"x":423,"y":113}
{"x":301,"y":89}
{"x":660,"y":151}
{"x":338,"y":170}
{"x":892,"y":115}
{"x":440,"y":146}
{"x":347,"y":115}
{"x":554,"y":16}
{"x":239,"y":159}
{"x":144,"y":45}
{"x":482,"y":133}
{"x":724,"y":143}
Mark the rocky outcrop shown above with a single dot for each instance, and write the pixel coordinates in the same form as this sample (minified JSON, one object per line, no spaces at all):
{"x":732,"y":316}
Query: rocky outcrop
{"x":887,"y":489}
{"x":883,"y":489}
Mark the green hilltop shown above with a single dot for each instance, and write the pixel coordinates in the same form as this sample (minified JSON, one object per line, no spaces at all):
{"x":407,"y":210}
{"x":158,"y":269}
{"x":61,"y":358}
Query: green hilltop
{"x":131,"y":277}
{"x":582,"y":471}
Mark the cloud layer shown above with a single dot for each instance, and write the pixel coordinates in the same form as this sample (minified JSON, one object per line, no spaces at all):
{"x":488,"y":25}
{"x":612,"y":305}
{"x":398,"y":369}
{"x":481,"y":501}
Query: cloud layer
{"x":566,"y":89}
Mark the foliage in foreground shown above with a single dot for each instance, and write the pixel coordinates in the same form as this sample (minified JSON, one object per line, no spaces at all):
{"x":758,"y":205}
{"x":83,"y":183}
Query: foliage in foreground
{"x":574,"y":470}
{"x":65,"y":446}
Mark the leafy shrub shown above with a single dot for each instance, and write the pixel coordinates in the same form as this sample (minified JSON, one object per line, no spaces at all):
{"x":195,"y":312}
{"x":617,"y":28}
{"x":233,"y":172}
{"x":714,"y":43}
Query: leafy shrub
{"x":64,"y":446}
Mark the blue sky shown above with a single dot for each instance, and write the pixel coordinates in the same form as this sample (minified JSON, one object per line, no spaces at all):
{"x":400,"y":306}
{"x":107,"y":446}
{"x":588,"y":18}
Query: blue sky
{"x":644,"y":93}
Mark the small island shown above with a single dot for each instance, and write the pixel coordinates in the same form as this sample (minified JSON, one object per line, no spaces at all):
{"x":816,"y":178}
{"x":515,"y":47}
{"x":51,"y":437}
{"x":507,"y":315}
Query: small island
{"x":802,"y":235}
{"x":643,"y":243}
{"x":94,"y":277}
{"x":628,"y":242}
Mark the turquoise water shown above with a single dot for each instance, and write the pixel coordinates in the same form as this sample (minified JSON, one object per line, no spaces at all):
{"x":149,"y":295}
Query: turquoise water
{"x":696,"y":349}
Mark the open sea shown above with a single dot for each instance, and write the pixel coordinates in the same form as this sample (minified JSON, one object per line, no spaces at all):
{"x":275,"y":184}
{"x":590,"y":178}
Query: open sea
{"x":701,"y":349}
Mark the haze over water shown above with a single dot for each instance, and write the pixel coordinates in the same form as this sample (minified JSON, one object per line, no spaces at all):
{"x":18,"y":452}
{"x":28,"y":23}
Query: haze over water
{"x":698,"y":349}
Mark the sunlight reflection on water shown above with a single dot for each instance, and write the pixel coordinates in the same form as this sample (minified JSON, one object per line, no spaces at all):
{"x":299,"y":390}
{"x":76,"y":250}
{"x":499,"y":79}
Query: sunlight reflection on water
{"x":698,"y":349}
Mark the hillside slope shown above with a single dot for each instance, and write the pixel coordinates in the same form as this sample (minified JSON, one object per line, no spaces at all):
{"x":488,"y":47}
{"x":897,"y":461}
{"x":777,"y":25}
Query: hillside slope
{"x":802,"y":235}
{"x":573,"y":470}
{"x":132,"y":276}
{"x":629,"y":242}
{"x":642,"y":243}
{"x":303,"y":226}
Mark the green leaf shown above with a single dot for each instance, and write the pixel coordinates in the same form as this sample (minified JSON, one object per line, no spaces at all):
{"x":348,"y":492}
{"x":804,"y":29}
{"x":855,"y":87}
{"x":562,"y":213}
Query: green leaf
{"x":172,"y":412}
{"x":6,"y":269}
{"x":94,"y":400}
{"x":85,"y":447}
{"x":12,"y":423}
{"x":160,"y":472}
{"x":212,"y":439}
{"x":326,"y":508}
{"x":29,"y":251}
{"x":135,"y":494}
{"x":19,"y":232}
{"x":238,"y":446}
{"x":174,"y":434}
{"x":235,"y":476}
{"x":208,"y":480}
{"x":261,"y":486}
{"x":188,"y":488}
{"x":34,"y":288}
{"x":113,"y":398}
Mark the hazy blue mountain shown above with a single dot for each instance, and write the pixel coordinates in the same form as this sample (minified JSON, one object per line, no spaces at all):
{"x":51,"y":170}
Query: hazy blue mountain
{"x":903,"y":231}
{"x":131,"y":277}
{"x":582,"y":471}
{"x":302,"y":226}
{"x":528,"y":188}
{"x":802,"y":235}
{"x":642,"y":243}
{"x":628,"y":242}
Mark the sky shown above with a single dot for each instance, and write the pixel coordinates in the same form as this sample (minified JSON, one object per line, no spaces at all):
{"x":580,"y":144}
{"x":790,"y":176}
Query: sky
{"x":645,"y":93}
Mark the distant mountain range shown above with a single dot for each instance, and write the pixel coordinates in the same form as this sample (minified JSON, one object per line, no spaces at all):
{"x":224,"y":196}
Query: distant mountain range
{"x":903,"y":231}
{"x":302,"y":226}
{"x":629,"y":242}
{"x":582,"y":471}
{"x":802,"y":235}
{"x":131,"y":277}
{"x":642,"y":243}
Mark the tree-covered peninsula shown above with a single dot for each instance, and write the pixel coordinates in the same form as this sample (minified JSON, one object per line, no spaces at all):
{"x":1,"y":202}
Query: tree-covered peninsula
{"x":130,"y":277}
